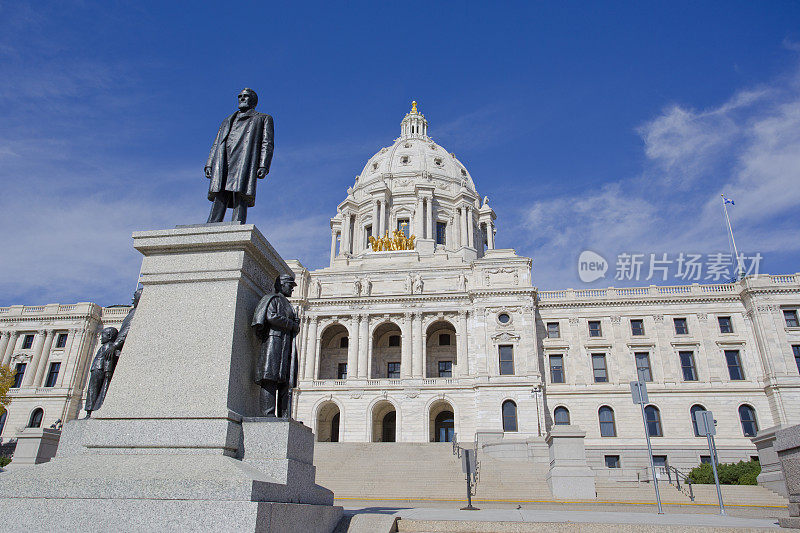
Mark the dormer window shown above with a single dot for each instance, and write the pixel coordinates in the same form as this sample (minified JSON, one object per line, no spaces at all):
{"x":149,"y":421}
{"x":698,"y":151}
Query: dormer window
{"x":463,"y":172}
{"x":375,"y":166}
{"x":438,"y":161}
{"x":407,"y":145}
{"x":404,"y":159}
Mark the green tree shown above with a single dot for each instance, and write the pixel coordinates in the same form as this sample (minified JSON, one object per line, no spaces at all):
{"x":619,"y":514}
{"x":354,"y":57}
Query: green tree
{"x":741,"y":473}
{"x":6,"y":380}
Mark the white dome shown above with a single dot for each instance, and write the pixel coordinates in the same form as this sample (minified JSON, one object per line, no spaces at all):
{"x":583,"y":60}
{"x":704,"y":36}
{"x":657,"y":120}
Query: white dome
{"x":415,"y":155}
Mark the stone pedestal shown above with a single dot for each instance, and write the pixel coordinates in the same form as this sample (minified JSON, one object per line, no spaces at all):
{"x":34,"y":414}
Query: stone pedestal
{"x":34,"y":446}
{"x":177,"y":444}
{"x":787,"y":445}
{"x":771,"y":475}
{"x":570,"y":476}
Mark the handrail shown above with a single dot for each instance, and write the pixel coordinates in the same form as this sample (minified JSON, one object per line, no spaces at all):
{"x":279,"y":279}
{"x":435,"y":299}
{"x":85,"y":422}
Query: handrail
{"x":687,"y":481}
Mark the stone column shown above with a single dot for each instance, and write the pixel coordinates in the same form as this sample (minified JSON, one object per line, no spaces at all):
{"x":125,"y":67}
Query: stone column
{"x":431,"y":228}
{"x":464,"y":234}
{"x":418,"y":356}
{"x":363,"y":347}
{"x":405,"y":346}
{"x":41,"y":370}
{"x":462,"y":366}
{"x":490,"y":235}
{"x":375,"y":210}
{"x":352,"y":348}
{"x":345,"y":246}
{"x":470,"y":225}
{"x":38,"y":345}
{"x":333,"y":244}
{"x":381,"y":217}
{"x":3,"y":346}
{"x":311,"y":348}
{"x":12,"y":344}
{"x":419,"y":224}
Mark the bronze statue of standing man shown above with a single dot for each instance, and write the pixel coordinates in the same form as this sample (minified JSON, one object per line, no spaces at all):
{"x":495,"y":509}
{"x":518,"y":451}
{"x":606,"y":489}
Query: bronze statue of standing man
{"x":276,"y":324}
{"x":241,"y":154}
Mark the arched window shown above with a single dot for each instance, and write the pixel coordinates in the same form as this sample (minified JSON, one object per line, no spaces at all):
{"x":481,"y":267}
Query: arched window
{"x":561,"y":416}
{"x":747,"y":415}
{"x":697,"y":408}
{"x":36,"y":418}
{"x":608,"y":428}
{"x":509,"y":416}
{"x":653,"y":416}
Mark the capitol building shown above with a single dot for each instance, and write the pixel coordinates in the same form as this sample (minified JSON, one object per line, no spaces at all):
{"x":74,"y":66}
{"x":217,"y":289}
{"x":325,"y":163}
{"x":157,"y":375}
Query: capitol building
{"x":445,"y":336}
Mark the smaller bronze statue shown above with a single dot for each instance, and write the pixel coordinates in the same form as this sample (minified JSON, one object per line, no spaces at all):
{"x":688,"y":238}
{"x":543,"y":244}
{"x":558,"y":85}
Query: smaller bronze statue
{"x":101,"y":370}
{"x":276,"y":324}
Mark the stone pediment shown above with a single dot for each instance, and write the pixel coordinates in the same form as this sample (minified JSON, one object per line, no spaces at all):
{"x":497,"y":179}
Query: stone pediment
{"x":505,"y":337}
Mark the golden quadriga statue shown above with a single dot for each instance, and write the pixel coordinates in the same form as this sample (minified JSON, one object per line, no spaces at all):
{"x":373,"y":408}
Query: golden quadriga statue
{"x":396,"y":241}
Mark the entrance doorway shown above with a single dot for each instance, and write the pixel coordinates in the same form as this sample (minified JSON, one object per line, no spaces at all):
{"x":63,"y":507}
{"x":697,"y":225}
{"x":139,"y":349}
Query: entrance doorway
{"x":389,"y":427}
{"x":444,"y":426}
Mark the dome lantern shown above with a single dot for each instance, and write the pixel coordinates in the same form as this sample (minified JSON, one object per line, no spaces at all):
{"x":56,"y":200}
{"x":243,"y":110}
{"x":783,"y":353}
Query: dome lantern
{"x":414,"y":125}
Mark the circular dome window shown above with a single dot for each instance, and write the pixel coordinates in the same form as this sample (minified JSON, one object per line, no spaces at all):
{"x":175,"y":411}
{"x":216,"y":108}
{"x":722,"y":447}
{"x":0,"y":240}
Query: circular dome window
{"x":504,"y":318}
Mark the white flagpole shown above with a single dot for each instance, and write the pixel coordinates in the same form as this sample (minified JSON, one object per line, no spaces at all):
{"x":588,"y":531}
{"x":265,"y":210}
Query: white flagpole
{"x":740,"y":274}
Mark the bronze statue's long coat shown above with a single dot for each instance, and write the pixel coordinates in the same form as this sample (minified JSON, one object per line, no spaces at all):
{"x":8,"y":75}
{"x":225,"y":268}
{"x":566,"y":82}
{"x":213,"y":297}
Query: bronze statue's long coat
{"x":254,"y":151}
{"x":274,"y":323}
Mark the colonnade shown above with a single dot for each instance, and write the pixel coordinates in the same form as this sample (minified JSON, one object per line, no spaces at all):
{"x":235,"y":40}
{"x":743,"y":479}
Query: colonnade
{"x":361,"y":327}
{"x":41,"y":351}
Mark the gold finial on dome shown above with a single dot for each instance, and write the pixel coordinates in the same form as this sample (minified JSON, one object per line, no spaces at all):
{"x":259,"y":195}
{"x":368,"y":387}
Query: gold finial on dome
{"x":414,"y":106}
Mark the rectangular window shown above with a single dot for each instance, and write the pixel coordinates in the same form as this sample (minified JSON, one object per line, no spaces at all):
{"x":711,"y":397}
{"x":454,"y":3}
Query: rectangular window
{"x":341,"y":371}
{"x":612,"y":461}
{"x":637,"y":327}
{"x":394,"y":340}
{"x":52,"y":376}
{"x":725,"y":324}
{"x":367,"y":235}
{"x":594,"y":328}
{"x":660,"y":461}
{"x":402,"y":225}
{"x":557,"y":369}
{"x":393,"y":370}
{"x":734,"y":364}
{"x":441,"y":233}
{"x":506,"y":360}
{"x":796,"y":350}
{"x":790,"y":316}
{"x":553,"y":331}
{"x":18,"y":375}
{"x":445,"y":369}
{"x":444,"y":339}
{"x":643,"y":366}
{"x":705,"y":459}
{"x":687,"y":365}
{"x":27,"y":342}
{"x":61,"y":340}
{"x":680,"y":326}
{"x":599,"y":368}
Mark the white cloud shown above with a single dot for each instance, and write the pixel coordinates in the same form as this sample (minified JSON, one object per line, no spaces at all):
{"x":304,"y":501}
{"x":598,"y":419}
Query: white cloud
{"x":747,"y":147}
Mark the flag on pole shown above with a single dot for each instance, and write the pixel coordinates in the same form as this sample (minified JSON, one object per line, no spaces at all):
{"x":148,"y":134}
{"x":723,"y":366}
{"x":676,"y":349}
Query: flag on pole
{"x":728,"y":201}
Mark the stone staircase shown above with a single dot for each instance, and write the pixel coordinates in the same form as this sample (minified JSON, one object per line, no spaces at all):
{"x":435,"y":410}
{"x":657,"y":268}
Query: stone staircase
{"x":421,"y":471}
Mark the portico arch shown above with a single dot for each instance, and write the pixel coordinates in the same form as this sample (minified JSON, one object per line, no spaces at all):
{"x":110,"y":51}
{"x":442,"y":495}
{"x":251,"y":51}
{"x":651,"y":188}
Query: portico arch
{"x":328,"y":422}
{"x":387,"y":341}
{"x":333,"y":351}
{"x":385,"y":422}
{"x":441,"y":421}
{"x":440,"y":349}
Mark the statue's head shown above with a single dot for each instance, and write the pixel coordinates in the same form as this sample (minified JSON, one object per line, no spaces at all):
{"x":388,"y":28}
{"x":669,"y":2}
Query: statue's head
{"x":248,"y":99}
{"x":108,"y":334}
{"x":285,"y":284}
{"x":136,"y":296}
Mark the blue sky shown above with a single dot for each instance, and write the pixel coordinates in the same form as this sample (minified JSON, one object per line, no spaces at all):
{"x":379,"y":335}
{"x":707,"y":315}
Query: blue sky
{"x":605,"y":126}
